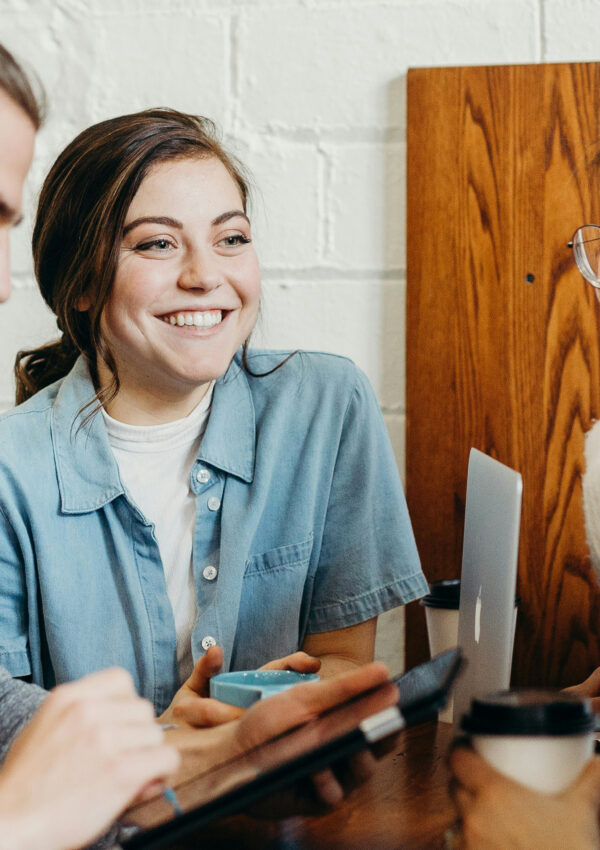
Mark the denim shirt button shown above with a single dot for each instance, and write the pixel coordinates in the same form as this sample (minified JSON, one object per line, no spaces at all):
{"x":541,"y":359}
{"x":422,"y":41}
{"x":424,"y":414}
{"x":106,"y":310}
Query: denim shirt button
{"x":203,"y":476}
{"x":210,"y":572}
{"x":208,"y":641}
{"x":214,"y":504}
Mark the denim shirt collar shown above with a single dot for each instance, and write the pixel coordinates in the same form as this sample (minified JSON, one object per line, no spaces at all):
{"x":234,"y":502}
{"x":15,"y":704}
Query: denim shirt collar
{"x":230,"y":439}
{"x":88,"y":475}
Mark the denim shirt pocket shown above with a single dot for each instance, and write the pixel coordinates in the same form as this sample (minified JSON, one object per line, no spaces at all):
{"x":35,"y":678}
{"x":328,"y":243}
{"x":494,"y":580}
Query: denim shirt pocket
{"x":272,"y":594}
{"x":293,"y":556}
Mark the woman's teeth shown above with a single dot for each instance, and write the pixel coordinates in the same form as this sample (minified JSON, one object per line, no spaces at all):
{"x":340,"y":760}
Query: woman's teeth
{"x":204,"y":319}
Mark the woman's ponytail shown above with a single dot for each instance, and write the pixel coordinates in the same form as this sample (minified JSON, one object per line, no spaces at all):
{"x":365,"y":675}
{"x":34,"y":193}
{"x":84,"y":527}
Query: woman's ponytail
{"x":36,"y":368}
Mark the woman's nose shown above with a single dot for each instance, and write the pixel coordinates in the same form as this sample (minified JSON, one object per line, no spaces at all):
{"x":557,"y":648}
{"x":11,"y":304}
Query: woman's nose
{"x":200,"y":271}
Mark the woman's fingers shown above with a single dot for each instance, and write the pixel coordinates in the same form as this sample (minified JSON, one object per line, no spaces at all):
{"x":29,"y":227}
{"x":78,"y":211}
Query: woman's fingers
{"x":335,"y":783}
{"x":205,"y":712}
{"x":319,"y":696}
{"x":300,"y":662}
{"x":148,"y":769}
{"x":355,"y":770}
{"x":303,"y":703}
{"x":204,"y":669}
{"x":327,"y":788}
{"x":588,"y":688}
{"x":470,"y":770}
{"x":463,"y":799}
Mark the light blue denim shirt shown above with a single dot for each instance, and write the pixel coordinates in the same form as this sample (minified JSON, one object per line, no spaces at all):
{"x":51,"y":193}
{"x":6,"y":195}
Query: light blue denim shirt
{"x":299,"y":510}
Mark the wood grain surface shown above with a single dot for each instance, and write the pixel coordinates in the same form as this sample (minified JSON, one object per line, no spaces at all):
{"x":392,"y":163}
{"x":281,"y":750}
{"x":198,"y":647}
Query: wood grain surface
{"x":503,"y":334}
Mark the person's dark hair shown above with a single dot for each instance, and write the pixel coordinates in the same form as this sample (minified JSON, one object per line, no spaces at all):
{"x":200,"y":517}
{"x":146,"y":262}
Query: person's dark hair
{"x":79,"y":226}
{"x":18,"y":86}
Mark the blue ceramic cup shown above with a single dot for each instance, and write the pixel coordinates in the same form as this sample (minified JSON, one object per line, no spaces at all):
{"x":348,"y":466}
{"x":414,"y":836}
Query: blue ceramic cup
{"x":244,"y":687}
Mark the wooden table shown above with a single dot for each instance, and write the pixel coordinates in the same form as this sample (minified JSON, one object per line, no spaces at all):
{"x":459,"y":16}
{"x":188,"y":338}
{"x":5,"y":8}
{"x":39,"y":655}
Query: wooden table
{"x":404,"y":805}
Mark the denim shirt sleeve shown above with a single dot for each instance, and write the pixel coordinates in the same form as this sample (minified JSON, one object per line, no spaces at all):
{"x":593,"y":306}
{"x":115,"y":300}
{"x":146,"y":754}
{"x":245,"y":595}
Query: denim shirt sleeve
{"x":13,"y":604}
{"x":368,"y":560}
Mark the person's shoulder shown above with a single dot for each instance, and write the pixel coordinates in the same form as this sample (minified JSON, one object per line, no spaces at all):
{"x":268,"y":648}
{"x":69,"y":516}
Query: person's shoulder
{"x":306,"y":383}
{"x":291,"y":366}
{"x":31,"y":412}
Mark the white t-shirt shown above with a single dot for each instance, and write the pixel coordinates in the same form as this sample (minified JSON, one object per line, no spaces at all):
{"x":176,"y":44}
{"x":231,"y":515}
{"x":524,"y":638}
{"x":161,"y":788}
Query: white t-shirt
{"x":154,"y":463}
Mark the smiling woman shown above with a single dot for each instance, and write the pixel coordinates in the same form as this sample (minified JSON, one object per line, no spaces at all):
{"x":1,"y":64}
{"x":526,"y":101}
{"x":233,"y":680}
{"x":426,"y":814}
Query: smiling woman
{"x":164,"y":488}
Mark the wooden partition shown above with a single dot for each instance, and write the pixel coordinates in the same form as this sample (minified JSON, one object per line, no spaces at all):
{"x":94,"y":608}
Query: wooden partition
{"x":503,"y":334}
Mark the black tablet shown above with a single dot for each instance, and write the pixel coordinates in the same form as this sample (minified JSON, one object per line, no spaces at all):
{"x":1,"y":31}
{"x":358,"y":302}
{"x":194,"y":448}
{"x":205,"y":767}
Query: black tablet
{"x":235,"y":785}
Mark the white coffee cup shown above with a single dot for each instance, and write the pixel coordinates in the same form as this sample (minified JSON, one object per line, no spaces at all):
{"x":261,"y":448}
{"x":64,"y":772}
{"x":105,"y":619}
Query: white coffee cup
{"x":442,"y":605}
{"x":539,"y":738}
{"x":441,"y":614}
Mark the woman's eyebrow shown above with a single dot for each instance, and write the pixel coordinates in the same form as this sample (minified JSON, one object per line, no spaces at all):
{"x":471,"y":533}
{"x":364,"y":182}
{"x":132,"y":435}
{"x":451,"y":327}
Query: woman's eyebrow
{"x":152,"y":219}
{"x":221,"y":219}
{"x":173,"y":222}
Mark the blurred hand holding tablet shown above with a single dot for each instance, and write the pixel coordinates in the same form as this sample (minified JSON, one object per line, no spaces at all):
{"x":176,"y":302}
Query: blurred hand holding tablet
{"x":272,"y":766}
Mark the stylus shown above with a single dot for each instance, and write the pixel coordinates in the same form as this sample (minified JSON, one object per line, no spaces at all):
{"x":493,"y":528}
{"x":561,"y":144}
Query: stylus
{"x":171,"y":797}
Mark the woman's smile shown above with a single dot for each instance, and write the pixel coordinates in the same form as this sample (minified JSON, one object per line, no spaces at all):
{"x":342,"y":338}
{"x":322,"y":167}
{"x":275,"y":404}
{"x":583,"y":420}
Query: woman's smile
{"x":195,"y":318}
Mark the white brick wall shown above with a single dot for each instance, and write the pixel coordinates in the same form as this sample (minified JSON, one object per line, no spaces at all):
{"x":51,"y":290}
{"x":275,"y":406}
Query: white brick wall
{"x":312,"y":93}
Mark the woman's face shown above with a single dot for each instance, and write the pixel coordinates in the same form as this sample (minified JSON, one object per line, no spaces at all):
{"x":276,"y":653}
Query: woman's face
{"x":186,"y":291}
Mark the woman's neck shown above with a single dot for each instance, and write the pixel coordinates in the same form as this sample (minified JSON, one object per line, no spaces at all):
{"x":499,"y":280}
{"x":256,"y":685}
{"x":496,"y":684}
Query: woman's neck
{"x":143,"y":405}
{"x":143,"y":411}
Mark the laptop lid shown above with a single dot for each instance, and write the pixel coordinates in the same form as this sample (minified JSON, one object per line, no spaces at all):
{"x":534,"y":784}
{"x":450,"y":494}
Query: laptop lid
{"x":488,"y":578}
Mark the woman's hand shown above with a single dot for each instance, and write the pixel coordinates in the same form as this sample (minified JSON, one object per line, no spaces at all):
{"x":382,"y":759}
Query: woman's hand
{"x":589,"y":689}
{"x":90,"y":750}
{"x":300,"y":662}
{"x":267,"y":719}
{"x":192,"y":704}
{"x":499,"y":814}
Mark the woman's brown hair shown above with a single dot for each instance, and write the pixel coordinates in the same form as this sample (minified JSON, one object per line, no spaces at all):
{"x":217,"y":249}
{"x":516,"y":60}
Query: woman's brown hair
{"x":15,"y":82}
{"x":79,"y":226}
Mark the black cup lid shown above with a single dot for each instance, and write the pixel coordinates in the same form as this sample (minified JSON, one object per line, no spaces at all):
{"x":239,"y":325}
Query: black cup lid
{"x":446,"y":594}
{"x":443,"y":594}
{"x":529,"y":712}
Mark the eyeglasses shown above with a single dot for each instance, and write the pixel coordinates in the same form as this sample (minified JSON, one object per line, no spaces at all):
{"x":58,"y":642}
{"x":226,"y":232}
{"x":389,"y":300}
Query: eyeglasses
{"x":586,"y":250}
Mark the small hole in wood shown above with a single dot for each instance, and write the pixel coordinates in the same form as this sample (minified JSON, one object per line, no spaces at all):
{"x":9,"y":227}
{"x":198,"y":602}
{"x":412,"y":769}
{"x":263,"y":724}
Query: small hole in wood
{"x":529,"y":277}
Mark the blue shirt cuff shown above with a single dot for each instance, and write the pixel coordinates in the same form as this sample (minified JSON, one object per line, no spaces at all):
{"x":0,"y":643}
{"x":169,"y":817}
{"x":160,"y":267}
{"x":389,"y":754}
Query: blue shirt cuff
{"x":368,"y":605}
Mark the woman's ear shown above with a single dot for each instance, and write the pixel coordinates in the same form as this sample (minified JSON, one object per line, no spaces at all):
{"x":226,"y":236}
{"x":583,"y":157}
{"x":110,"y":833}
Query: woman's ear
{"x":83,"y":303}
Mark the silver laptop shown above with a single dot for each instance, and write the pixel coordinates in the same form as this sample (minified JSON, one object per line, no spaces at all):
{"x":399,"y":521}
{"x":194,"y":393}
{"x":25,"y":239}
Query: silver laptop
{"x":488,"y":579}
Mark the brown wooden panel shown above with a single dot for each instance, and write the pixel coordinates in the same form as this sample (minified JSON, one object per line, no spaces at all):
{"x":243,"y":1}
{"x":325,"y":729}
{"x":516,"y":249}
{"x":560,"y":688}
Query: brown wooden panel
{"x":497,"y":182}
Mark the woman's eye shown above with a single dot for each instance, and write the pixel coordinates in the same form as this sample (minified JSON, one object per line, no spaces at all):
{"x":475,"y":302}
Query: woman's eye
{"x":160,"y":245}
{"x":234,"y":240}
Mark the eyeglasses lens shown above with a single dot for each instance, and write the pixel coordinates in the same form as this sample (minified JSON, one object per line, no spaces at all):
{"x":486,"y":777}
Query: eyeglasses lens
{"x":586,"y":249}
